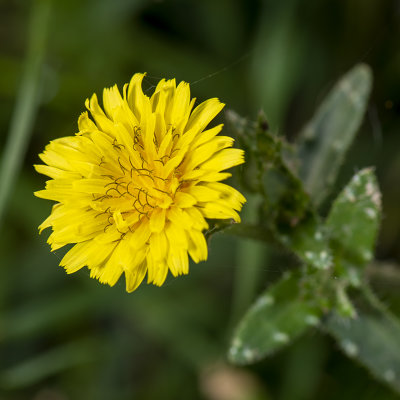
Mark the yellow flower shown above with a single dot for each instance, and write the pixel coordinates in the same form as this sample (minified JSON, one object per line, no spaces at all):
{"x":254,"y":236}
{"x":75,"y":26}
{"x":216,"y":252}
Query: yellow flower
{"x":133,"y":187}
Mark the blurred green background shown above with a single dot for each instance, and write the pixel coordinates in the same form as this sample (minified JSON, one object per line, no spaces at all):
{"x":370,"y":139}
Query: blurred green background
{"x":69,"y":337}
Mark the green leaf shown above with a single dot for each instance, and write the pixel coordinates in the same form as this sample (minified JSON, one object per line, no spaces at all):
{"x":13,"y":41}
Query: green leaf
{"x":280,"y":314}
{"x":372,"y":339}
{"x":285,"y":200}
{"x":307,"y":239}
{"x":353,"y":223}
{"x":325,"y":140}
{"x":287,"y":215}
{"x":287,"y":210}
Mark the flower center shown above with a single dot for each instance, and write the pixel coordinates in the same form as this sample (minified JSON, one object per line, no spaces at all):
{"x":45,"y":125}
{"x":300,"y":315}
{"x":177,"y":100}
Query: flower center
{"x":135,"y":187}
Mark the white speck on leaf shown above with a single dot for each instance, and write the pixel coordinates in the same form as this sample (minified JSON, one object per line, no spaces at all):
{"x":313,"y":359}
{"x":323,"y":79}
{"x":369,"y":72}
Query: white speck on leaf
{"x":367,"y":255}
{"x":312,"y":320}
{"x":248,"y":354}
{"x":324,"y":255}
{"x":324,"y":260}
{"x":237,"y":343}
{"x":370,"y":189}
{"x":354,"y":277}
{"x":350,"y":195}
{"x":371,"y":213}
{"x":309,"y":255}
{"x":266,"y":300}
{"x":280,"y":337}
{"x":318,"y":236}
{"x":349,"y":347}
{"x":233,"y":351}
{"x":389,"y":375}
{"x":357,"y":179}
{"x":376,"y":199}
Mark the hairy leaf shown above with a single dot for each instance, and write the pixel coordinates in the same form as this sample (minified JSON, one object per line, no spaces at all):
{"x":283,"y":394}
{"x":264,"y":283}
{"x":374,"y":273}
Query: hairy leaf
{"x":279,"y":315}
{"x":325,"y":140}
{"x":353,"y":223}
{"x":372,"y":338}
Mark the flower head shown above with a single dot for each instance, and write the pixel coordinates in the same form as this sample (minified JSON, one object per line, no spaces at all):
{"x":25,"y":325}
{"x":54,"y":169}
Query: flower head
{"x":135,"y":185}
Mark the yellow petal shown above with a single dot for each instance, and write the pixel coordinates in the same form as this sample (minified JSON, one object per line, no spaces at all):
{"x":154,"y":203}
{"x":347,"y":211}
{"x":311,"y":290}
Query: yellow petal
{"x":178,"y":261}
{"x":204,"y":113}
{"x":135,"y":95}
{"x":217,"y":210}
{"x":158,"y":246}
{"x":176,"y":235}
{"x":76,"y":258}
{"x":184,"y":200}
{"x":85,"y":124}
{"x":198,"y":249}
{"x":157,"y":220}
{"x":204,"y":193}
{"x":135,"y":278}
{"x":112,"y":100}
{"x":225,"y":159}
{"x":197,"y":218}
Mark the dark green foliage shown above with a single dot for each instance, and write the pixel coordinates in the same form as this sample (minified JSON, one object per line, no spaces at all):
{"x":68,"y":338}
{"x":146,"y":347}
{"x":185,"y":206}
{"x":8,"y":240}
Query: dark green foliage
{"x":332,"y":254}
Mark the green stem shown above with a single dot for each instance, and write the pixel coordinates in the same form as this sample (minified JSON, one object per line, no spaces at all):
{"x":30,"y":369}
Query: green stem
{"x":26,"y":102}
{"x":250,"y":231}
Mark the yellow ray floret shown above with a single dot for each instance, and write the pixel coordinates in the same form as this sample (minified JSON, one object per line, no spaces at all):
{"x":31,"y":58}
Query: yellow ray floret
{"x":135,"y":185}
